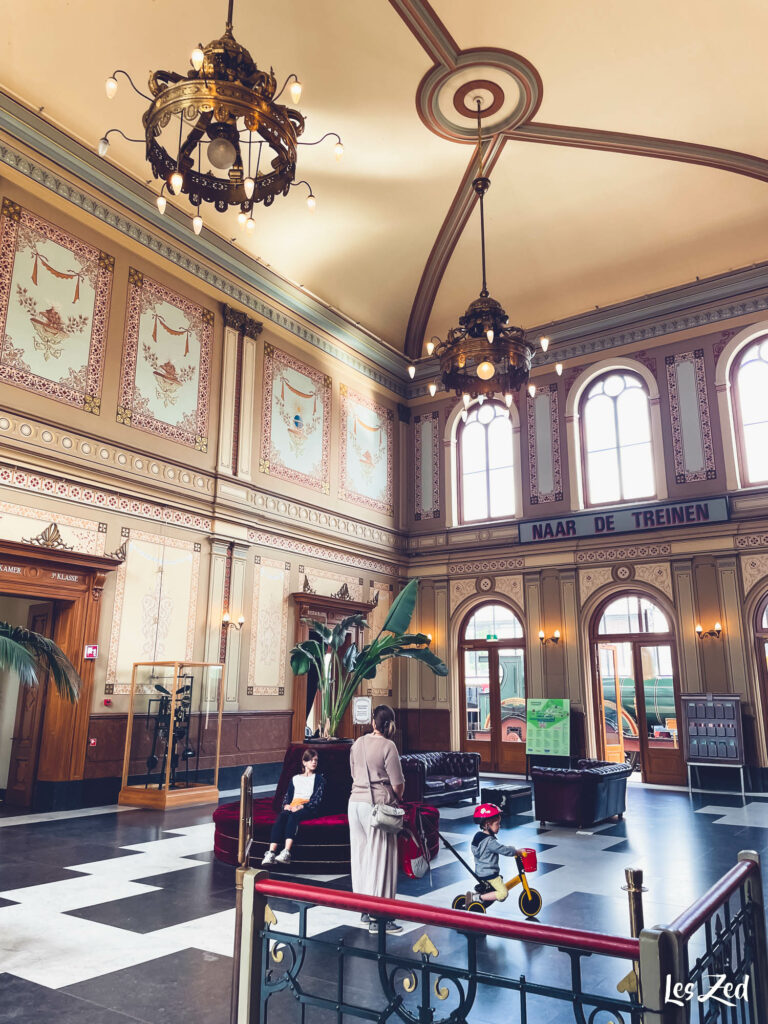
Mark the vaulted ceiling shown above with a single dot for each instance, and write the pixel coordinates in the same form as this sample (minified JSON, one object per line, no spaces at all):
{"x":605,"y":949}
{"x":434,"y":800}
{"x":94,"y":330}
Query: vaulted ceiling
{"x":628,"y":153}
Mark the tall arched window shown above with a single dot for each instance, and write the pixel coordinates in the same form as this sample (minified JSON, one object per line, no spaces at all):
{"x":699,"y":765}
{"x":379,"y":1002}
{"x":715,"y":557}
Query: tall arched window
{"x":749,"y":388}
{"x":617,"y":452}
{"x":486,"y":462}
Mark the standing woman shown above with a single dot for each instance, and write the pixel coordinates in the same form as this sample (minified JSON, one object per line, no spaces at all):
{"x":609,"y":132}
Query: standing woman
{"x":376,"y":778}
{"x":302,"y":800}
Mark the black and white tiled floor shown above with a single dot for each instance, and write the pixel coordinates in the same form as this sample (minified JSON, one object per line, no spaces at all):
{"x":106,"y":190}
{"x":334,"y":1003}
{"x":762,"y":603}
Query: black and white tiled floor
{"x":122,"y":915}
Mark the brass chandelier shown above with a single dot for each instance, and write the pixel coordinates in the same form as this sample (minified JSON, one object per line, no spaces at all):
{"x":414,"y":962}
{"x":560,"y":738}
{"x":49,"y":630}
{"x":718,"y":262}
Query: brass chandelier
{"x":485,"y":355}
{"x":218,"y":133}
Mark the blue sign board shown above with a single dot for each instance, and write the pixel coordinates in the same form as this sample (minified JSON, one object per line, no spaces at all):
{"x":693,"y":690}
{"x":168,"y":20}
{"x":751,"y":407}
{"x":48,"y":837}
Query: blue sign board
{"x":631,"y":519}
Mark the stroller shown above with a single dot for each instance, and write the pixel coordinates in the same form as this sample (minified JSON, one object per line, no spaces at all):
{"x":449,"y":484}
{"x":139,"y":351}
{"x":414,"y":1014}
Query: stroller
{"x":530,"y":901}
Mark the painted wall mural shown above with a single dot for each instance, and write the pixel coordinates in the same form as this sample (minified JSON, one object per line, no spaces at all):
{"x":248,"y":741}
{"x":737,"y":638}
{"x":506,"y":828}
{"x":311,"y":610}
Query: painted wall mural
{"x":155,"y":605}
{"x":366,"y":452}
{"x":689,"y":413}
{"x":295,"y":436}
{"x":426,"y":436}
{"x":544,"y":460}
{"x":54,"y":306}
{"x":166,"y":363}
{"x":268,"y":652}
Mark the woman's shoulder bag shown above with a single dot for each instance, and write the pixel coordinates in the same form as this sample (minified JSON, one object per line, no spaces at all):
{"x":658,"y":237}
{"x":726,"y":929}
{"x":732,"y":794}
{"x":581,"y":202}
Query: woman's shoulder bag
{"x":385,"y":817}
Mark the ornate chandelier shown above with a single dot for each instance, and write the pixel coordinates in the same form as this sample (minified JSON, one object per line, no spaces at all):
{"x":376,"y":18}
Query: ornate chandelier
{"x":218,"y":133}
{"x":485,"y":355}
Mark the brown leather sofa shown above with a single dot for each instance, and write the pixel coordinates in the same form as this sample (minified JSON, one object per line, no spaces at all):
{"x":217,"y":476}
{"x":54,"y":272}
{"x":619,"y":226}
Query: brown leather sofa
{"x":584,"y":795}
{"x":441,"y":778}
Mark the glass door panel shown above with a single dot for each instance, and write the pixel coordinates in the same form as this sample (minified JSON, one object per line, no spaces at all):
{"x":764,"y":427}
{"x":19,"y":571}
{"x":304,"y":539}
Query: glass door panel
{"x":477,"y":723}
{"x":662,"y":757}
{"x":610,"y":703}
{"x":512,"y":694}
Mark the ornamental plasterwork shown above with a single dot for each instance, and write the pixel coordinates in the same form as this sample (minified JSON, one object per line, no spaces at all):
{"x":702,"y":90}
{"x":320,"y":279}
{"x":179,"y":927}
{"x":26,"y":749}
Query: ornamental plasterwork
{"x":273,"y":540}
{"x":426,"y":466}
{"x":752,"y":540}
{"x":460,"y":590}
{"x":326,"y":520}
{"x":628,"y":553}
{"x":18,"y":522}
{"x":753,"y":569}
{"x":512,"y":586}
{"x":658,"y":574}
{"x":488,"y":565}
{"x":539,"y":497}
{"x":101,"y":453}
{"x":707,"y":470}
{"x":268,"y":651}
{"x":591,"y":580}
{"x":327,"y":583}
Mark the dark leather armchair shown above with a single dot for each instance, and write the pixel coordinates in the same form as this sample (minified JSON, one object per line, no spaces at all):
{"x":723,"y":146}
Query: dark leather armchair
{"x":441,"y":778}
{"x":584,"y":795}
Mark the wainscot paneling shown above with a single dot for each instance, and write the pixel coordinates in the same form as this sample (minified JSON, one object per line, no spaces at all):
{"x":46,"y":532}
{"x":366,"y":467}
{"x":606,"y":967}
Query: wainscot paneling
{"x":423,"y":729}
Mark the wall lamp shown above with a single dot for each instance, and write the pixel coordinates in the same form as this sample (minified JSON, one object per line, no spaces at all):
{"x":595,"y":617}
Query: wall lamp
{"x":227,"y":623}
{"x":714,"y":632}
{"x":554,"y":639}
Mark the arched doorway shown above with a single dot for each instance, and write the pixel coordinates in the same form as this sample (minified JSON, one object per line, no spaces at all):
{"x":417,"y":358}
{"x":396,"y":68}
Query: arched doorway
{"x":636,"y":687}
{"x":492,"y":687}
{"x":761,"y":643}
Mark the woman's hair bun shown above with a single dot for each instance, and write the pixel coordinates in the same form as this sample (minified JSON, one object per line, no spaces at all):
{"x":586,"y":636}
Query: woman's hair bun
{"x":384,"y":720}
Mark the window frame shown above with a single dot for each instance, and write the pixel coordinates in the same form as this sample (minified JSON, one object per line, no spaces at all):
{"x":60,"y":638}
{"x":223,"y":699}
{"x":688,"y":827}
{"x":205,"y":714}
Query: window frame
{"x":621,"y":371}
{"x":517,"y":496}
{"x":738,"y":420}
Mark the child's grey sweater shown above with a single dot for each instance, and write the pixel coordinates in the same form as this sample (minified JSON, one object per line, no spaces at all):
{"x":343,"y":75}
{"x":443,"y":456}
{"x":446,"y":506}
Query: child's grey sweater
{"x":487,"y":849}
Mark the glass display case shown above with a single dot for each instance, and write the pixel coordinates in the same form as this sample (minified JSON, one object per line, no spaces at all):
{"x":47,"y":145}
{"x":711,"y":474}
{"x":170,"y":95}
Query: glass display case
{"x":173,"y":735}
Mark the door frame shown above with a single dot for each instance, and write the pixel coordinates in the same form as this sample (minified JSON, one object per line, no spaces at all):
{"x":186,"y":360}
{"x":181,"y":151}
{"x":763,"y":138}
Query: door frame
{"x":496,"y":747}
{"x":636,"y":640}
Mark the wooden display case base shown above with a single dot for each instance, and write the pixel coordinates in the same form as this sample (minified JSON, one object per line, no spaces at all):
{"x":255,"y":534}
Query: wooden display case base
{"x":162,"y":799}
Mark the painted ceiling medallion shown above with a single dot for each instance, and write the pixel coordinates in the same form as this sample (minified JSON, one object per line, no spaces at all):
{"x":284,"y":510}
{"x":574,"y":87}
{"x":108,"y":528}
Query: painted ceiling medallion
{"x":218,"y":133}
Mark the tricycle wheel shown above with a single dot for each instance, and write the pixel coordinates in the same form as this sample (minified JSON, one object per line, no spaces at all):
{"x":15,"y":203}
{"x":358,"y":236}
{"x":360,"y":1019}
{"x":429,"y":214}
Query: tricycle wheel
{"x":530,"y":905}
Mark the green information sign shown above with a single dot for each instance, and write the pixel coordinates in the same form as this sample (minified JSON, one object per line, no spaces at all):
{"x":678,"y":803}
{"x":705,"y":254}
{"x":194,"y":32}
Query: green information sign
{"x":548,"y":728}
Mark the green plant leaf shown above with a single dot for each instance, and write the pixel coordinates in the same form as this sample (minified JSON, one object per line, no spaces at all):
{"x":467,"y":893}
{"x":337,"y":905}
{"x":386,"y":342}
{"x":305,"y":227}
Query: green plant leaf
{"x":49,"y":656}
{"x":306,"y":654}
{"x":350,"y":657}
{"x":17,"y":659}
{"x":401,"y":612}
{"x":322,"y":630}
{"x":341,"y":629}
{"x":428,"y":657}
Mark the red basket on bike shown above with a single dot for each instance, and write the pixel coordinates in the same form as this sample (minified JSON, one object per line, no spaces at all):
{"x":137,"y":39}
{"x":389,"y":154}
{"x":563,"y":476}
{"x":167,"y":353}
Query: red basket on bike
{"x":528,"y":857}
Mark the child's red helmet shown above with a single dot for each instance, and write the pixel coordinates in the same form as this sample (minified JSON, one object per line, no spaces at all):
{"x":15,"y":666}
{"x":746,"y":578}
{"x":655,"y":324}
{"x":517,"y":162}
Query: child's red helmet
{"x":486,"y":811}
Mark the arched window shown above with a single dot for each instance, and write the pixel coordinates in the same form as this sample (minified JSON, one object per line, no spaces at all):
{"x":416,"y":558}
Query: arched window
{"x":749,"y":388}
{"x":486,"y":462}
{"x":616,"y":446}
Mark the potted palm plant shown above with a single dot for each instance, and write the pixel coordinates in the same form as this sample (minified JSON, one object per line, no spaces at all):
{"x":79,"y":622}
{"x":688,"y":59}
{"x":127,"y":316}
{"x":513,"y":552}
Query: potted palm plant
{"x":24,"y":652}
{"x":341,"y":670}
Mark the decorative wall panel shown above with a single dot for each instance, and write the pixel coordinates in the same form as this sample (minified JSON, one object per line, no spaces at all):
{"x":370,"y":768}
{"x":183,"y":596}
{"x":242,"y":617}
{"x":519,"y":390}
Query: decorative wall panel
{"x":366,"y":452}
{"x":166,"y":364}
{"x":54,"y":306}
{"x":544,"y":462}
{"x":512,"y":586}
{"x":295,"y":437}
{"x":753,"y":569}
{"x":461,"y":589}
{"x":426,"y":439}
{"x":591,"y":580}
{"x":300,"y":547}
{"x":689,"y":414}
{"x":268,"y":653}
{"x":328,"y":583}
{"x":155,"y":605}
{"x":22,"y":523}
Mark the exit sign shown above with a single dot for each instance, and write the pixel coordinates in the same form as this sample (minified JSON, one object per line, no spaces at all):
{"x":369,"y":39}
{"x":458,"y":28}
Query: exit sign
{"x":91,"y":652}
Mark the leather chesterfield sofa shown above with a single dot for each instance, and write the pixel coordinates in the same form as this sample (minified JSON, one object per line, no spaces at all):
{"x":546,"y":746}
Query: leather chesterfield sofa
{"x":584,"y":795}
{"x":441,"y":778}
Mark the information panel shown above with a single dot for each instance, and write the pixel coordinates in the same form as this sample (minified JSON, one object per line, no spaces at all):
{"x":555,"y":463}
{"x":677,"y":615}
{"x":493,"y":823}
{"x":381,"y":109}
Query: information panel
{"x":548,"y":726}
{"x":712,"y":732}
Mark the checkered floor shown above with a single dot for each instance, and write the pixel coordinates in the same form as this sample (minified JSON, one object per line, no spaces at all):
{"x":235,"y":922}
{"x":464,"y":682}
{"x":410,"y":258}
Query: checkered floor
{"x":122,"y":915}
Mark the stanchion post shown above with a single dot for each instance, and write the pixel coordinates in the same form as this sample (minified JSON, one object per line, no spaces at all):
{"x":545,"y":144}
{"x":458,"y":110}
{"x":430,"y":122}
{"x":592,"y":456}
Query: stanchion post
{"x":760,"y":972}
{"x":244,"y":839}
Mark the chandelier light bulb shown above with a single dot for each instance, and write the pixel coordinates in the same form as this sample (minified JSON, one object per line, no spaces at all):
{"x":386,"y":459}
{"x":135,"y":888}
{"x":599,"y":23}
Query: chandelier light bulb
{"x":532,"y":390}
{"x":338,"y":151}
{"x":430,"y":347}
{"x":248,"y":186}
{"x":295,"y":90}
{"x":485,"y":370}
{"x":161,"y":203}
{"x":176,"y":181}
{"x":250,"y":225}
{"x":465,"y":400}
{"x":221,"y":154}
{"x":103,"y":146}
{"x":480,"y":399}
{"x":197,"y":58}
{"x":544,"y":344}
{"x":433,"y":389}
{"x":311,"y":201}
{"x":197,"y":224}
{"x":411,"y":372}
{"x":508,"y":400}
{"x":489,"y":335}
{"x":110,"y":87}
{"x":464,"y":415}
{"x":242,"y":217}
{"x":559,"y":369}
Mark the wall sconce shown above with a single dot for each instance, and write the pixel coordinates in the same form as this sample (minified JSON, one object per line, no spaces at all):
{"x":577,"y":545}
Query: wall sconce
{"x":714,"y":632}
{"x":554,"y":639}
{"x":227,"y":622}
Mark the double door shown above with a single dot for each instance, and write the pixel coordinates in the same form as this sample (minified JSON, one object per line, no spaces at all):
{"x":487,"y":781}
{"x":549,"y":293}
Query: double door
{"x":636,"y":698}
{"x":493,"y":713}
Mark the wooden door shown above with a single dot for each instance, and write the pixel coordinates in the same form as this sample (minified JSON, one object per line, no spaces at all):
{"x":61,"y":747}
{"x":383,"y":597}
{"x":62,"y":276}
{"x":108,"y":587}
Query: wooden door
{"x":609,"y":703}
{"x":661,"y":756}
{"x":22,"y":770}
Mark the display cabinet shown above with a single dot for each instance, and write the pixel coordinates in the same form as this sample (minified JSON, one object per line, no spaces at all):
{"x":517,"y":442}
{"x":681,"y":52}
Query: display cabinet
{"x":173,"y":735}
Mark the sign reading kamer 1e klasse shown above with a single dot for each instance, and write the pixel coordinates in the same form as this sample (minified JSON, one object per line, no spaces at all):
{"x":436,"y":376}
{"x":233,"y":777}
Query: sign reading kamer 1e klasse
{"x":634,"y":519}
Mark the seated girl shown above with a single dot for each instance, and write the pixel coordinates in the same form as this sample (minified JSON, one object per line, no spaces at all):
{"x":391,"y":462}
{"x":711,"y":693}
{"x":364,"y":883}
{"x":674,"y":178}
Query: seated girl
{"x":302,"y":800}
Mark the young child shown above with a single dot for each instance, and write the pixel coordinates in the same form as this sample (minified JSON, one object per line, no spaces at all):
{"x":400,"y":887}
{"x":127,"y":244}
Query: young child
{"x":302,"y":800}
{"x":487,"y":849}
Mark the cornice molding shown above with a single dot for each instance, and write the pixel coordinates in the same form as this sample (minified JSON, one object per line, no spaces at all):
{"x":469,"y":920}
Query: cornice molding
{"x":51,"y":143}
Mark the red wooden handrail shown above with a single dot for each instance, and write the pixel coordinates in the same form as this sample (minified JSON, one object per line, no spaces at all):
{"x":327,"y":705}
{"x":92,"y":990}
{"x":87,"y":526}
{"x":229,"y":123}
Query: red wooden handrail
{"x":455,"y":920}
{"x":693,"y":917}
